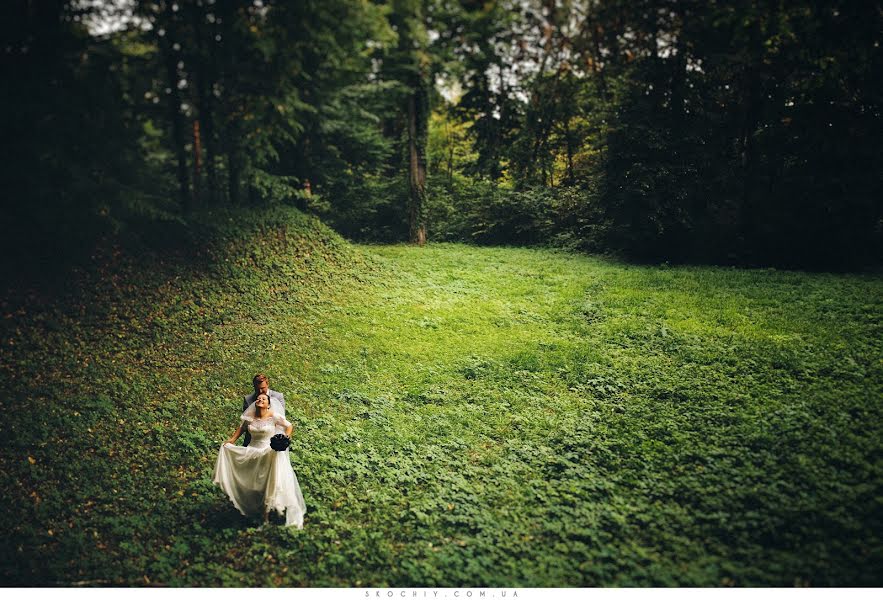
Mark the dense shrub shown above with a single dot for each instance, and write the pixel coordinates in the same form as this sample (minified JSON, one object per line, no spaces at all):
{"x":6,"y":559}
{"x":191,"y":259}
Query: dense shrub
{"x":486,"y":213}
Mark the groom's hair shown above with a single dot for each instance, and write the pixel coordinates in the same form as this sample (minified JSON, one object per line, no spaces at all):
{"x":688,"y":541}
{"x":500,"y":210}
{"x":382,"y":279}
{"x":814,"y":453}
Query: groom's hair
{"x":259,"y":378}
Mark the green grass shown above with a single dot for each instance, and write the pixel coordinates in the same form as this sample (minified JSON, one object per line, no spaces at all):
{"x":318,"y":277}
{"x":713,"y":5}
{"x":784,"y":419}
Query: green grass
{"x":464,"y":416}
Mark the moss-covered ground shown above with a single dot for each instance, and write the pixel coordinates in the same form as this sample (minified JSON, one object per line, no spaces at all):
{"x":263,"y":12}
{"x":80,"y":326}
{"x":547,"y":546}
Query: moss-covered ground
{"x":463,"y":416}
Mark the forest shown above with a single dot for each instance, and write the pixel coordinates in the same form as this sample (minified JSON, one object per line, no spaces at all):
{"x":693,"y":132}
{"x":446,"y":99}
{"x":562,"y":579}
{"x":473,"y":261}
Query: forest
{"x":559,"y":293}
{"x":742,"y":133}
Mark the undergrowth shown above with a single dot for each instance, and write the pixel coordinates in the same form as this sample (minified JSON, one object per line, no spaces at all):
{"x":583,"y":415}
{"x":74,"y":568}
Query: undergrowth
{"x":463,"y":416}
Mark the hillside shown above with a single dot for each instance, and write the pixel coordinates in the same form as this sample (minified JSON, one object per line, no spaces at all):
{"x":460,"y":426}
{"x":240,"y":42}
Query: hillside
{"x":135,"y":366}
{"x":463,"y":416}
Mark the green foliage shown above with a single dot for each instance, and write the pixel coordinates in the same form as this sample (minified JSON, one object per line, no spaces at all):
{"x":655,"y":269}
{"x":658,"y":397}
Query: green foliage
{"x":70,"y":169}
{"x":479,"y":211}
{"x":463,"y":416}
{"x":736,"y":133}
{"x":695,"y":132}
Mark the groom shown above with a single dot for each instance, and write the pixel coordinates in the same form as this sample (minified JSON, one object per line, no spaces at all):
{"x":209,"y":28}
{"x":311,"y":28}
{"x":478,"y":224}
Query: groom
{"x":277,"y":400}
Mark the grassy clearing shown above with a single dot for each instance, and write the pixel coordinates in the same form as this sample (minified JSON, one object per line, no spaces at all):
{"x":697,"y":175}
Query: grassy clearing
{"x":464,"y":416}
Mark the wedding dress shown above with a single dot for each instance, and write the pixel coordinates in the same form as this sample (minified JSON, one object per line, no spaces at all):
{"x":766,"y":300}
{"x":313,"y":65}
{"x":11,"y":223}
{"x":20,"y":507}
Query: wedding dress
{"x":258,"y":478}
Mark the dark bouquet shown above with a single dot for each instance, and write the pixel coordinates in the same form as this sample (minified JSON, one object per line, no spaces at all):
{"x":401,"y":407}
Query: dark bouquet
{"x":280,"y":442}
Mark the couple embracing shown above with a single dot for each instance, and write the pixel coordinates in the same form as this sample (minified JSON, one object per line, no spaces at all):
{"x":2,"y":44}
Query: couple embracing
{"x":257,"y":476}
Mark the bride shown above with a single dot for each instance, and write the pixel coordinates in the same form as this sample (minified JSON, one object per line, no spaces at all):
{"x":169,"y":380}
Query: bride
{"x":256,"y":477}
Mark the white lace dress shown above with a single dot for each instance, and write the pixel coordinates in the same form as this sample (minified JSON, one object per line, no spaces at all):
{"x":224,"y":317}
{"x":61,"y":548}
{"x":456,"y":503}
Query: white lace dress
{"x":258,"y":478}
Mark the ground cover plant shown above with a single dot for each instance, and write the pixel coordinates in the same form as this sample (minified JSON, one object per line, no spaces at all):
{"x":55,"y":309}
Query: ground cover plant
{"x":463,"y":416}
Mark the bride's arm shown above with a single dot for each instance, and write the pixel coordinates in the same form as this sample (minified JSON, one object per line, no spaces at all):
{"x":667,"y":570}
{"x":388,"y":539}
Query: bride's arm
{"x":235,"y":435}
{"x":289,"y":426}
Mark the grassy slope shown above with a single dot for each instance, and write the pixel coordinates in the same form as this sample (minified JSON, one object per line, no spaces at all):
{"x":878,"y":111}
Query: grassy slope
{"x":464,"y":416}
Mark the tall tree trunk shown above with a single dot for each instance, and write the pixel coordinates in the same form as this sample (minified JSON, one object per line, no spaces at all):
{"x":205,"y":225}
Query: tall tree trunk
{"x":752,"y":109}
{"x":211,"y":152}
{"x":179,"y":134}
{"x":679,"y":73}
{"x":205,"y":80}
{"x":597,"y":57}
{"x":234,"y":176}
{"x":418,"y":122}
{"x":541,"y":137}
{"x":197,"y":163}
{"x":751,"y":118}
{"x":499,"y":125}
{"x":450,"y":169}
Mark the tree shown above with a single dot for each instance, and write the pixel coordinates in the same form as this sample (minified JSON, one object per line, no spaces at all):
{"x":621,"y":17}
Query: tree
{"x":410,"y":65}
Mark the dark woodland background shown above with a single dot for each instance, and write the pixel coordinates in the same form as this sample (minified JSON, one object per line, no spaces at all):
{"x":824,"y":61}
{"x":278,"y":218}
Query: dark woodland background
{"x":737,"y":132}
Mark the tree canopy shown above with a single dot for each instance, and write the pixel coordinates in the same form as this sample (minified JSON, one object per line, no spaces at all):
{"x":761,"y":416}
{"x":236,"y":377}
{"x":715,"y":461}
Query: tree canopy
{"x":737,"y":132}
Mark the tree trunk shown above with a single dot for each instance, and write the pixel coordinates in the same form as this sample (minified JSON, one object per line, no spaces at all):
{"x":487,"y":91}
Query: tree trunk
{"x":205,"y":91}
{"x":178,"y":128}
{"x":568,"y":138}
{"x":597,"y":57}
{"x":197,"y":163}
{"x":234,"y":175}
{"x":752,"y":109}
{"x":450,"y":169}
{"x":211,"y":152}
{"x":679,"y":74}
{"x":418,"y":122}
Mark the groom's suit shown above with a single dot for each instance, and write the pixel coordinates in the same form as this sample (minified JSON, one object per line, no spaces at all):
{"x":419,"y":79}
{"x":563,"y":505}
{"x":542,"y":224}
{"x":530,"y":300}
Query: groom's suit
{"x":277,"y":405}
